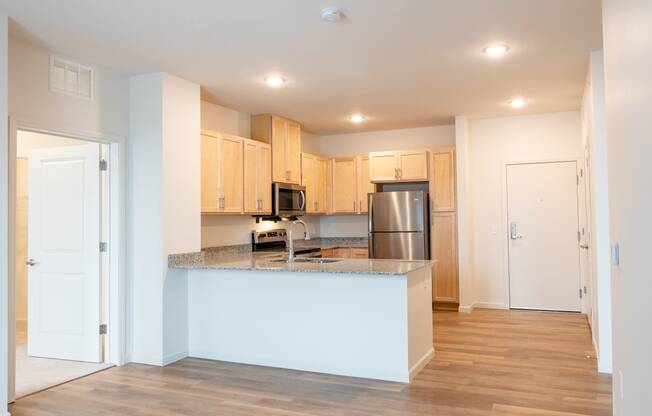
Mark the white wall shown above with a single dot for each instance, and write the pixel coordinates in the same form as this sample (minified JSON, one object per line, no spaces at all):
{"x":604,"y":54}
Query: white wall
{"x":494,"y":142}
{"x":163,"y":211}
{"x":30,"y":99}
{"x":594,"y":137}
{"x":628,"y":65}
{"x":225,"y":120}
{"x":360,"y":143}
{"x":4,"y":216}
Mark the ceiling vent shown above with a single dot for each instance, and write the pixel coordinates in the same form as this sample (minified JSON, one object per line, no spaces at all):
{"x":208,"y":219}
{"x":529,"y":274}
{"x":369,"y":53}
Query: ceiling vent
{"x":70,"y":78}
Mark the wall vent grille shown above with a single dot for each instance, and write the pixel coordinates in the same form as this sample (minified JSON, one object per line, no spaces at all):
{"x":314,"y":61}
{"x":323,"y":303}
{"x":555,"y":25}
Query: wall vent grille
{"x":70,"y":78}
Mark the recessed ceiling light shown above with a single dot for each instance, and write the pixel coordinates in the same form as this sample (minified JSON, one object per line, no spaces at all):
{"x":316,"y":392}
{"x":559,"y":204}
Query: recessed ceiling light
{"x":517,"y":102}
{"x":274,"y":81}
{"x":357,"y":118}
{"x":496,"y":51}
{"x":331,"y":14}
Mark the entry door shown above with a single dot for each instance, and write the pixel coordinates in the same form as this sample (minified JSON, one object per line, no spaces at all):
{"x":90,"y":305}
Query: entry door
{"x":543,"y":241}
{"x":64,"y":260}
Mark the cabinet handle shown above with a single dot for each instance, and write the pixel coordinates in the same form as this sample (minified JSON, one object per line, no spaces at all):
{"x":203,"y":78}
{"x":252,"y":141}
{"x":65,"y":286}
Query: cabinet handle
{"x":400,"y":173}
{"x":354,"y":206}
{"x":288,"y":174}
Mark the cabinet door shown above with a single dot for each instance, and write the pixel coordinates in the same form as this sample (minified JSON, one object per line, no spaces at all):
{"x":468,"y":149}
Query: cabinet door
{"x":383,"y":166}
{"x":279,"y":149}
{"x":342,"y":253}
{"x":344,"y":186}
{"x":359,"y":253}
{"x":293,"y":153}
{"x":365,"y":186}
{"x":413,"y":165}
{"x":209,"y":173}
{"x":265,"y":178}
{"x":231,"y":174}
{"x":444,"y":250}
{"x":251,"y":199}
{"x":321,"y":181}
{"x":308,"y":179}
{"x":442,"y":183}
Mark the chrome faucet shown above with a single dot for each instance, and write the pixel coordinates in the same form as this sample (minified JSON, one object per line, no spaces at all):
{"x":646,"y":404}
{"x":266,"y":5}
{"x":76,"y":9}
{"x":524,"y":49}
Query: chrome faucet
{"x":306,"y":236}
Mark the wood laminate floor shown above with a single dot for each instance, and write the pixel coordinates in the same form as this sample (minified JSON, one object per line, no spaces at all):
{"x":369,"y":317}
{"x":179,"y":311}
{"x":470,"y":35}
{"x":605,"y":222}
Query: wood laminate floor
{"x":486,"y":363}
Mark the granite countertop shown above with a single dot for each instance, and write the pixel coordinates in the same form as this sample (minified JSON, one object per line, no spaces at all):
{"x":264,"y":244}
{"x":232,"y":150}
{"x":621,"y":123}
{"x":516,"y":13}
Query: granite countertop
{"x":242,"y":258}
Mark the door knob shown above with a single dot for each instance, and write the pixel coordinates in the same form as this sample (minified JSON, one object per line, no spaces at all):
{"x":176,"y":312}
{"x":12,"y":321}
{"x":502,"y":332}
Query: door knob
{"x":584,"y":246}
{"x":31,"y":262}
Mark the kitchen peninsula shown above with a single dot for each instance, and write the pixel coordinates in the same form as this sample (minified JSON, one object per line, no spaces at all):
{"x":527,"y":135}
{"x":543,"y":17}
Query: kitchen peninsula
{"x":353,"y":317}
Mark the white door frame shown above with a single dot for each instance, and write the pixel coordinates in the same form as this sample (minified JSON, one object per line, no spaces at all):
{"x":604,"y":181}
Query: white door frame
{"x":116,"y":345}
{"x":505,"y":220}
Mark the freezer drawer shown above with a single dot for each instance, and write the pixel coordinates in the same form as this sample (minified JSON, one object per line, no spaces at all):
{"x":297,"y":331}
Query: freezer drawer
{"x":400,"y":246}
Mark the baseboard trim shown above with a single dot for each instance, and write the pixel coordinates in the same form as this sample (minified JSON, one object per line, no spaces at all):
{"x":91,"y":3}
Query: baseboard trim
{"x":481,"y":305}
{"x":423,"y":361}
{"x":172,"y":358}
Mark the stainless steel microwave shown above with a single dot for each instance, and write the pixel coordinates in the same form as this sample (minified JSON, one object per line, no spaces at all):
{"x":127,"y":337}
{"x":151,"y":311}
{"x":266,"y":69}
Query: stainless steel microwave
{"x":288,"y":200}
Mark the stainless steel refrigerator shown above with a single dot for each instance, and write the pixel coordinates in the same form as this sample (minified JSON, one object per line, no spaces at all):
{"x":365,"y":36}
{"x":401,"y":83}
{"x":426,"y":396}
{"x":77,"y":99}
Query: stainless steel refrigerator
{"x":398,"y":225}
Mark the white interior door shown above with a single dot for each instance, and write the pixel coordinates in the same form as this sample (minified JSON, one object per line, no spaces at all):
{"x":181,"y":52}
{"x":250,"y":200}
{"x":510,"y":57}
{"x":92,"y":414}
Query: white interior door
{"x":543,"y":236}
{"x":63,"y":240}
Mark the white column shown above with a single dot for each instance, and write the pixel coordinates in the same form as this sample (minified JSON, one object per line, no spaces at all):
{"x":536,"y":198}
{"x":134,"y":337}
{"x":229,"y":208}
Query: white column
{"x":163,"y":211}
{"x":462,"y":139}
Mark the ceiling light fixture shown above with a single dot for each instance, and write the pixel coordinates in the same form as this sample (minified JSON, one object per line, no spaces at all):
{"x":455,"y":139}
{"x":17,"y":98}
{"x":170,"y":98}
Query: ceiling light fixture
{"x":274,"y":81}
{"x":496,"y":51}
{"x":331,"y":14}
{"x":517,"y":103}
{"x":357,"y":118}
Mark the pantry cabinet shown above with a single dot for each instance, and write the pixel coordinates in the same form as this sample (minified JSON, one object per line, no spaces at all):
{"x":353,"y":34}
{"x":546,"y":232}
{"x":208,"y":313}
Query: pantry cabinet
{"x":221,"y":173}
{"x":399,"y":166}
{"x":442,"y":180}
{"x":444,"y":249}
{"x":314,"y":178}
{"x":257,"y":178}
{"x":284,"y":136}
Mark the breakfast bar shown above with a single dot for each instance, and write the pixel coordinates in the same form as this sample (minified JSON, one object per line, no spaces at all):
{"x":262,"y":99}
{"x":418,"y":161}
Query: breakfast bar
{"x":355,"y":317}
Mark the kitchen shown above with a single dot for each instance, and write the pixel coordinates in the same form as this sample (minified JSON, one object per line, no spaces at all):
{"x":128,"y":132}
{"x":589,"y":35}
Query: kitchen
{"x":272,"y":181}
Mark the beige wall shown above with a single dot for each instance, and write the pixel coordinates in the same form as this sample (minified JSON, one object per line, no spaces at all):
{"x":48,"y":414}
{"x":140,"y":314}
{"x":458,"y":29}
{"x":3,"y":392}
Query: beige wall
{"x":492,"y":143}
{"x":628,"y":65}
{"x":225,"y":120}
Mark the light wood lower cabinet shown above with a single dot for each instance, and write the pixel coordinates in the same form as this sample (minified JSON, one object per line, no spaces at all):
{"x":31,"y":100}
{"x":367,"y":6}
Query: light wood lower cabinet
{"x":257,"y":177}
{"x":221,"y":173}
{"x":346,"y":253}
{"x":314,"y":177}
{"x":443,"y":240}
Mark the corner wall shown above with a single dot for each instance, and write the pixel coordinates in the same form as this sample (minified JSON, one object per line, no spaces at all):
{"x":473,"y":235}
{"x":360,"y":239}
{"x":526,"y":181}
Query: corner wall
{"x":628,"y":65}
{"x":493,"y":143}
{"x":4,"y":216}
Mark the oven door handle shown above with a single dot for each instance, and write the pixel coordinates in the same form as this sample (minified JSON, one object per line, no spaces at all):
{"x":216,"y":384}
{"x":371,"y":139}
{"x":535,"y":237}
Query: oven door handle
{"x":303,"y":200}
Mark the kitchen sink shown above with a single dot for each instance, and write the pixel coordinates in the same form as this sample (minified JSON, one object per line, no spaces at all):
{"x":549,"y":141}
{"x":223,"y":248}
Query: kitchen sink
{"x":314,"y":260}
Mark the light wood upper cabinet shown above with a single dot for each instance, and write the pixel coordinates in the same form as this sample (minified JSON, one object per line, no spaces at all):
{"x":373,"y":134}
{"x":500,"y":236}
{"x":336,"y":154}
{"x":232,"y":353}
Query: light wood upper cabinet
{"x":344,"y":185}
{"x":365,"y":186}
{"x":400,"y":166}
{"x":313,"y":171}
{"x":221,"y":173}
{"x":383,"y":166}
{"x":442,"y":180}
{"x":257,"y":178}
{"x":285,"y":139}
{"x":444,"y":249}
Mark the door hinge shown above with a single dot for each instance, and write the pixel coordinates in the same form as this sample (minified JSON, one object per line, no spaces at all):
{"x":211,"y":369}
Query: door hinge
{"x":104,"y":247}
{"x":580,"y":293}
{"x":104,"y":166}
{"x":578,"y":237}
{"x":578,"y":179}
{"x":103,"y":329}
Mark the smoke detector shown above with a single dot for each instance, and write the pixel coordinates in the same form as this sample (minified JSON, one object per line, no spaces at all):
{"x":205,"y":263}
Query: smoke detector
{"x":331,"y":14}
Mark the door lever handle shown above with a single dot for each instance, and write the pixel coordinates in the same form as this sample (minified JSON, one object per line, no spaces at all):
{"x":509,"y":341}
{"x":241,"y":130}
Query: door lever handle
{"x":584,"y":246}
{"x":31,"y":262}
{"x":513,"y":232}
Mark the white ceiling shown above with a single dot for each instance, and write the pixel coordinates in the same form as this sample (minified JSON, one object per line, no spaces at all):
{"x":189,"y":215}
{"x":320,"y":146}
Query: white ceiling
{"x":403,"y":63}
